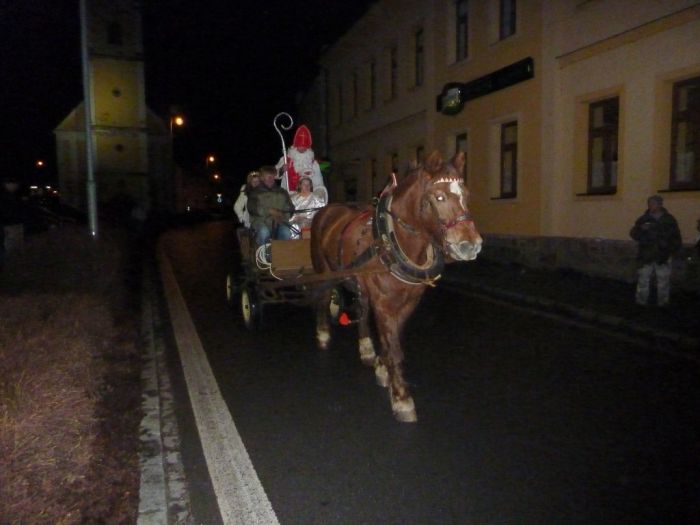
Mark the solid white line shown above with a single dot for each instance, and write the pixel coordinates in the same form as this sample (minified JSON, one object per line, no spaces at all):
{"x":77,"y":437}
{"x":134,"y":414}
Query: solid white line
{"x":240,"y":495}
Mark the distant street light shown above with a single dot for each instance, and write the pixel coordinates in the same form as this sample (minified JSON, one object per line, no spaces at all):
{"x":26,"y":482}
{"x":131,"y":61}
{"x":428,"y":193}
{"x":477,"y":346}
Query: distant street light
{"x":39,"y":163}
{"x":177,"y":121}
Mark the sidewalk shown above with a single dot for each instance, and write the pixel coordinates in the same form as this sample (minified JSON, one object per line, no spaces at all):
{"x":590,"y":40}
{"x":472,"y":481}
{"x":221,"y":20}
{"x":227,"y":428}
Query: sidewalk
{"x":603,"y":302}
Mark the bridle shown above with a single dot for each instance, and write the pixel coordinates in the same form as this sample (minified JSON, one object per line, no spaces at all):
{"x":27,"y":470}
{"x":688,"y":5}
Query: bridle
{"x":386,"y":245}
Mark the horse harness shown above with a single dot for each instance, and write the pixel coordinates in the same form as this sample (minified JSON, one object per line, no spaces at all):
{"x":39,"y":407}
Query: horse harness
{"x":385,"y":245}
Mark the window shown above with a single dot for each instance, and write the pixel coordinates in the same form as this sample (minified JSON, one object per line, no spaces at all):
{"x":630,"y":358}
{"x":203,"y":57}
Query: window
{"x":372,"y":84}
{"x":114,"y":34}
{"x":461,"y":145}
{"x":419,"y":58}
{"x":685,"y":138}
{"x":355,"y":94}
{"x":393,"y":73}
{"x":420,"y":155}
{"x":350,"y":188}
{"x":509,"y":160}
{"x":506,"y":26}
{"x":462,"y":30}
{"x":603,"y":119}
{"x":340,"y":103}
{"x":373,"y":176}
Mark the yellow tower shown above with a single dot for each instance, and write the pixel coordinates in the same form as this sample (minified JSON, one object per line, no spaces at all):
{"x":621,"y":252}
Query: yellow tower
{"x":132,"y":150}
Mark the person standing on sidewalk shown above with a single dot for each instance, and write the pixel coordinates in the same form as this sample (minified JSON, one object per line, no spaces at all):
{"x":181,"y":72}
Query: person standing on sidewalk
{"x":658,"y":238}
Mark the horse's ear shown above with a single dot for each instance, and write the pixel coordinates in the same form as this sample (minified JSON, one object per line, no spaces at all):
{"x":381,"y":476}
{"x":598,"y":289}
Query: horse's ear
{"x":433,"y":163}
{"x":458,"y":161}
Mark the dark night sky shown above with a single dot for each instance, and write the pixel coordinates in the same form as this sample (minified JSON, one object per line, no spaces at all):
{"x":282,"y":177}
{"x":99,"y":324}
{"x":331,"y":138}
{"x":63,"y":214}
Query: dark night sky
{"x":230,"y":65}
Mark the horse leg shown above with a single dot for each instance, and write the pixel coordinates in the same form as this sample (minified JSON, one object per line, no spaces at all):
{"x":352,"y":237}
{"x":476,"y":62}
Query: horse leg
{"x":389,"y":325}
{"x":366,"y":347}
{"x":323,"y":333}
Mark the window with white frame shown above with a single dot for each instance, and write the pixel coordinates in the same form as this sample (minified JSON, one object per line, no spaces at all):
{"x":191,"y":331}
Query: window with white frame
{"x":685,"y":136}
{"x":603,"y":119}
{"x":509,"y":160}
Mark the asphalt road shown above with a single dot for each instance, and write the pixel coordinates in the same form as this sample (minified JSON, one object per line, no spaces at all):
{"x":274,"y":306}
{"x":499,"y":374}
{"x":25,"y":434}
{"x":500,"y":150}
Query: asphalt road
{"x":521,"y":419}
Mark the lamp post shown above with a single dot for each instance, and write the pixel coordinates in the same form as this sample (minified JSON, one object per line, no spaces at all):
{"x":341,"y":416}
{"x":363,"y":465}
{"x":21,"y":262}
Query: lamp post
{"x":177,"y":121}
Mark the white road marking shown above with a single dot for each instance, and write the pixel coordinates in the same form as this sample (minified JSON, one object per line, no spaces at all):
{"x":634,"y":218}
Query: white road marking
{"x":240,"y":495}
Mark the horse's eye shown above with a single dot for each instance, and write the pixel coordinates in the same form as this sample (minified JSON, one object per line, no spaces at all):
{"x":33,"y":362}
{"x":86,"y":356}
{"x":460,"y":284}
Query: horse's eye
{"x":440,"y":197}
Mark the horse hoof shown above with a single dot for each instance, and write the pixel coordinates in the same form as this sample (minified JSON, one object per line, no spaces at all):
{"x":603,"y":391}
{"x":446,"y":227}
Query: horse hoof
{"x":382,"y":375}
{"x":404,"y":410}
{"x":367,"y":354}
{"x":406,"y":417}
{"x":323,"y":338}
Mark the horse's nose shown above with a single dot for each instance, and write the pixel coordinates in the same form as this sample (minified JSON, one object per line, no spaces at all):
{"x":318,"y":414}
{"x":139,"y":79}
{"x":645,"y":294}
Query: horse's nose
{"x":466,"y":250}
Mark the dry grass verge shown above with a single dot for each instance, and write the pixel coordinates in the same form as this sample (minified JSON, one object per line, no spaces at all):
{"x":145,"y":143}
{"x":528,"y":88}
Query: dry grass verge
{"x":69,"y":383}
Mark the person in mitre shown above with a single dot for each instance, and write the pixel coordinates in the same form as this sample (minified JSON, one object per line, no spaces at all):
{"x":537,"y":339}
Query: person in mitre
{"x":301,"y":162}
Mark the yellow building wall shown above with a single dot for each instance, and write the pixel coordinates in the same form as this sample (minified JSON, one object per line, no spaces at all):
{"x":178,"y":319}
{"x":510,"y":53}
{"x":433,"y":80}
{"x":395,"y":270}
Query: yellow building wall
{"x":481,"y":117}
{"x":639,"y":65}
{"x":117,"y":98}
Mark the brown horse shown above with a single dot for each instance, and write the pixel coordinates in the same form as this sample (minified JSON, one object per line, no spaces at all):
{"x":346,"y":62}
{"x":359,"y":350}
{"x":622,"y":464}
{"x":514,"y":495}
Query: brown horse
{"x":397,"y":248}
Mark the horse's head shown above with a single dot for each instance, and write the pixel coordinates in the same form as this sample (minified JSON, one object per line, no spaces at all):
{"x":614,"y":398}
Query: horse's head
{"x":444,"y":204}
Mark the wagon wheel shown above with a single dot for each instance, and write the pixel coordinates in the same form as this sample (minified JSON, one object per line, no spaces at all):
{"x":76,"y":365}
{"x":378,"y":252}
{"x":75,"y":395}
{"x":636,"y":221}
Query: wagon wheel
{"x":251,"y":308}
{"x":336,"y":305}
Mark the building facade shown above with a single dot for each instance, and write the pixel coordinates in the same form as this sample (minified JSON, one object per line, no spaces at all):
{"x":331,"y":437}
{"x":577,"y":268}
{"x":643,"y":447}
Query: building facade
{"x":571,"y":114}
{"x":132,"y":147}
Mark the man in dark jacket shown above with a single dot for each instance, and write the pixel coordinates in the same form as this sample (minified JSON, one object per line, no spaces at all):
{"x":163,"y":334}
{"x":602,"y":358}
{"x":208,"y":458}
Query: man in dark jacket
{"x":658,"y":237}
{"x":270,"y":208}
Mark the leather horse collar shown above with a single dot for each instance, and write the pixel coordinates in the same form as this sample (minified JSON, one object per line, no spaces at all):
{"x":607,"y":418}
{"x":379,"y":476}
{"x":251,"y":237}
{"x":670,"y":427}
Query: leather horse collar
{"x":387,"y":247}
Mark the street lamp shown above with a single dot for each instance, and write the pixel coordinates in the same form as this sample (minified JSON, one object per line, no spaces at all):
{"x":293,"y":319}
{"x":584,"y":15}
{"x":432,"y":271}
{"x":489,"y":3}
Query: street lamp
{"x":177,"y":121}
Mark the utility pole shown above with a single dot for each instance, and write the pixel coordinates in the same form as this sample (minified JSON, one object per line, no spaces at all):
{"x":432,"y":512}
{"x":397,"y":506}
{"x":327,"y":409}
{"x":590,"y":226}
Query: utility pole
{"x":87,"y":103}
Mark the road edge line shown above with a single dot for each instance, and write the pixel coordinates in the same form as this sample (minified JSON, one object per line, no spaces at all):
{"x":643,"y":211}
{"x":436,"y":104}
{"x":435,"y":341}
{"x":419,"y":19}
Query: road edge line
{"x":240,"y":495}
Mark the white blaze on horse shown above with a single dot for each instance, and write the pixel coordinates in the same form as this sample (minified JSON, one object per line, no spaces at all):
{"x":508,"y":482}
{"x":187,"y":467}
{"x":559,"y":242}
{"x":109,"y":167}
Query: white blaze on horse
{"x":397,"y":248}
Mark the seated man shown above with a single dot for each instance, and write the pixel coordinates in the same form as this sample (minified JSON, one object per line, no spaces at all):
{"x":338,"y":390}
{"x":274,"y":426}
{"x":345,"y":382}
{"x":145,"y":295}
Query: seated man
{"x":269,"y":207}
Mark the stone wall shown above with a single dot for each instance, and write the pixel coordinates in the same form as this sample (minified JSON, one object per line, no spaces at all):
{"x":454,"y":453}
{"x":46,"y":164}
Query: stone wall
{"x":613,"y":259}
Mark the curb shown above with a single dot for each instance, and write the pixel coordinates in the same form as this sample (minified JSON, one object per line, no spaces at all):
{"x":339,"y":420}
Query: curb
{"x":163,"y":496}
{"x":585,"y":315}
